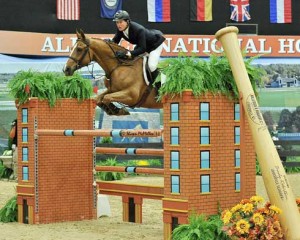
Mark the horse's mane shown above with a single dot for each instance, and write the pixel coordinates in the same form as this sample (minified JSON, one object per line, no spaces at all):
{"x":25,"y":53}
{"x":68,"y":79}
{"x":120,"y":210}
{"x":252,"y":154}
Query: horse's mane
{"x":113,"y":44}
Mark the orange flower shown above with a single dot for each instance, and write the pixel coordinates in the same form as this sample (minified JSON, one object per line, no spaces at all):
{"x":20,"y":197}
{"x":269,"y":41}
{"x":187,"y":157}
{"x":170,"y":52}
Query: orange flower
{"x":248,"y":221}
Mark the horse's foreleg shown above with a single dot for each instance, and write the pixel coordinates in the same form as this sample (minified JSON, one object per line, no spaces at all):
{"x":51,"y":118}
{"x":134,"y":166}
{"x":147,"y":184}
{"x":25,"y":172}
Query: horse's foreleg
{"x":121,"y":97}
{"x":104,"y":101}
{"x":99,"y":98}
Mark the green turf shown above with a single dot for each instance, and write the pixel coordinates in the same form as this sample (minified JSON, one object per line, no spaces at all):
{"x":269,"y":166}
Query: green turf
{"x":6,"y":117}
{"x":281,"y":97}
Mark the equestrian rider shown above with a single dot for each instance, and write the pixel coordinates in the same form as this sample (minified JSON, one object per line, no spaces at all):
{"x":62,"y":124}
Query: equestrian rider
{"x":146,"y":40}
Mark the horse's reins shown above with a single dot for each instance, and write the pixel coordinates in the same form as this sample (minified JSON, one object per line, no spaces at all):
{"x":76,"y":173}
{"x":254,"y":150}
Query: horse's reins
{"x":120,"y":62}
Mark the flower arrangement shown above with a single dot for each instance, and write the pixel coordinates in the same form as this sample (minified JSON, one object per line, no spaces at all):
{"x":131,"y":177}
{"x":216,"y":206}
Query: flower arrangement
{"x":252,"y":221}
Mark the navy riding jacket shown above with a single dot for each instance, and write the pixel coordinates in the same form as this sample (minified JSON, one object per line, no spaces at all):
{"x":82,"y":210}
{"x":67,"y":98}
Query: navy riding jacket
{"x":146,"y":40}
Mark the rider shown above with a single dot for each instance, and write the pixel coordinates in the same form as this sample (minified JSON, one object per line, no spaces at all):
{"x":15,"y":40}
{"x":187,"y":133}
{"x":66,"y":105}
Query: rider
{"x":146,"y":40}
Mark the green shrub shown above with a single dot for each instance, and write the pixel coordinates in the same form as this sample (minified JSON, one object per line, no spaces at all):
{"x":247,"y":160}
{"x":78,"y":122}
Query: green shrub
{"x":110,"y":176}
{"x":9,"y":212}
{"x":49,"y":86}
{"x":214,"y":76}
{"x":106,"y":140}
{"x":4,"y":171}
{"x":200,"y":227}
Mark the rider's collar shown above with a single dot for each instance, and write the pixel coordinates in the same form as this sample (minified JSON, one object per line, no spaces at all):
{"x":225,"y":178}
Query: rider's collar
{"x":126,"y":32}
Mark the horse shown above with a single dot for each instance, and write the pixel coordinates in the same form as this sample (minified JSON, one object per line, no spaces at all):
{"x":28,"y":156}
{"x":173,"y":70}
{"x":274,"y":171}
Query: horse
{"x":124,"y":80}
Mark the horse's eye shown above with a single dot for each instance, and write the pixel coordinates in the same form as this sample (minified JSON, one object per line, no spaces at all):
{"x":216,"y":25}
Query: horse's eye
{"x":79,"y":50}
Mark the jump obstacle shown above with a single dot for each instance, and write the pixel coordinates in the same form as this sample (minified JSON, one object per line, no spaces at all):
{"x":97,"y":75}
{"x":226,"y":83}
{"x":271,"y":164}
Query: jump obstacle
{"x":61,"y":163}
{"x":101,"y":133}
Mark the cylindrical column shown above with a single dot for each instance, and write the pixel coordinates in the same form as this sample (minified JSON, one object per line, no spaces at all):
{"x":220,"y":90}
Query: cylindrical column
{"x":273,"y":173}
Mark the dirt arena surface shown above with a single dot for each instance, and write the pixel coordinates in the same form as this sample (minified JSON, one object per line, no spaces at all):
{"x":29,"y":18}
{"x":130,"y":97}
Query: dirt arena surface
{"x":112,"y":228}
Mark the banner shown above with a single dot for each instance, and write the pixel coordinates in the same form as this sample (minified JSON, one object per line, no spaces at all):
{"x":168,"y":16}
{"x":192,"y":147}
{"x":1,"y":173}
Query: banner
{"x":239,"y":10}
{"x":51,"y":44}
{"x":159,"y":10}
{"x":68,"y":9}
{"x":280,"y":11}
{"x":201,"y":10}
{"x":108,"y":8}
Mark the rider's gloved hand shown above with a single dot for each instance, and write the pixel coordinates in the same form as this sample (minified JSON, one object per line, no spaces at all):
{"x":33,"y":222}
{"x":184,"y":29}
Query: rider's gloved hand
{"x":123,"y":54}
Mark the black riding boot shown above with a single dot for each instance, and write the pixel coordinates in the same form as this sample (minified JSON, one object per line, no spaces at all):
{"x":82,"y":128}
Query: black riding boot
{"x":154,"y":75}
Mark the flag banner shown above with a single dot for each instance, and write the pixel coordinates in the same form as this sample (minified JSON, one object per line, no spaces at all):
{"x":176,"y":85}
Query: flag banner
{"x":159,"y":10}
{"x":108,"y":8}
{"x":280,"y":11}
{"x":201,"y":10}
{"x":68,"y":9}
{"x":239,"y":10}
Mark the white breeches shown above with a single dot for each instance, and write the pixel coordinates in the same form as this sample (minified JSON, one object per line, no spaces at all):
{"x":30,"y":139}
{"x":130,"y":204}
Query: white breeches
{"x":154,"y":58}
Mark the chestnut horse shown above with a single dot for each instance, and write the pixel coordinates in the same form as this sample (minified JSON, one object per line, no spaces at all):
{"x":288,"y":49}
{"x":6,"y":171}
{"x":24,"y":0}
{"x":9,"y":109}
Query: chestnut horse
{"x":124,"y":79}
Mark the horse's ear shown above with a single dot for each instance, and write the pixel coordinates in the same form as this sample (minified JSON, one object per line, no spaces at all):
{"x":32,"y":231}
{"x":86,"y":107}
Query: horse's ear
{"x":77,"y":33}
{"x":82,"y":34}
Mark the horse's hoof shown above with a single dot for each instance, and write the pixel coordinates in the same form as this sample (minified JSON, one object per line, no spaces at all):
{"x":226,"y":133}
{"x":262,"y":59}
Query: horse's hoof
{"x":123,"y":111}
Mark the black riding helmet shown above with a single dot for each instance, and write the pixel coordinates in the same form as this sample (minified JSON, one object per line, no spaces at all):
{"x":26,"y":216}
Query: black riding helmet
{"x":121,"y":15}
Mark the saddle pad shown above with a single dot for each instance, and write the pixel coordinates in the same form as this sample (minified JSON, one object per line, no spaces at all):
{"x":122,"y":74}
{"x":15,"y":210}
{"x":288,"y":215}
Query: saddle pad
{"x":145,"y":58}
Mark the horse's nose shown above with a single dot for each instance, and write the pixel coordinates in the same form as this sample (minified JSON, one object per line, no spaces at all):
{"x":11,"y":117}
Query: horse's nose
{"x":67,"y":71}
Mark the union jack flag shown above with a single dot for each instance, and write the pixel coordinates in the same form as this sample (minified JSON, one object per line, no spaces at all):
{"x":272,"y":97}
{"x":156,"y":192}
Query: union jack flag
{"x":239,"y":10}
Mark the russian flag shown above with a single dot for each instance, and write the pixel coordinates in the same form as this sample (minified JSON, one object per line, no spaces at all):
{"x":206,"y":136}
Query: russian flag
{"x":159,"y":10}
{"x":280,"y":11}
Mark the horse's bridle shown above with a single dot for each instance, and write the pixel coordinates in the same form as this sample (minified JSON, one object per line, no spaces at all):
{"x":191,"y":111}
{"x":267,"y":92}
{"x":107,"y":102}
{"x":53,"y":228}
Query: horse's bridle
{"x":86,"y":51}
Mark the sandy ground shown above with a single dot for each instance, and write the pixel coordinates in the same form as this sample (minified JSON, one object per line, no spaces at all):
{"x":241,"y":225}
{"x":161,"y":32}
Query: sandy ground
{"x":112,"y":228}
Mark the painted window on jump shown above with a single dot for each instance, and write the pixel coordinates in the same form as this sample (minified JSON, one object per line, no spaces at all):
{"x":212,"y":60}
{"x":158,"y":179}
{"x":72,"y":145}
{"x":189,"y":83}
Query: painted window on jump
{"x":175,"y":223}
{"x":25,"y":154}
{"x":237,"y":181}
{"x":204,"y":111}
{"x":25,"y":173}
{"x":237,"y":158}
{"x":174,"y":111}
{"x":24,"y":134}
{"x":205,"y":183}
{"x":237,"y":111}
{"x":175,"y":184}
{"x":204,"y":159}
{"x":204,"y":135}
{"x":24,"y":115}
{"x":237,"y":135}
{"x":174,"y":135}
{"x":175,"y":160}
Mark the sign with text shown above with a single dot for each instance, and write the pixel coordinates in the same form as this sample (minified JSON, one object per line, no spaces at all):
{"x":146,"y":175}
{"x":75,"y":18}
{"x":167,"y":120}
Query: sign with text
{"x":44,"y":44}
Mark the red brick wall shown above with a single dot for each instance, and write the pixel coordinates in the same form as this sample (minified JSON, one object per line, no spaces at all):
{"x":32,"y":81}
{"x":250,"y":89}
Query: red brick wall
{"x":222,"y":170}
{"x":64,"y":166}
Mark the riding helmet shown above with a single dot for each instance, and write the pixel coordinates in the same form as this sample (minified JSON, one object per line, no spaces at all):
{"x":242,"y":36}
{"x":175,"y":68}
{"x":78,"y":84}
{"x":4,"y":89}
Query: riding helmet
{"x":121,"y":15}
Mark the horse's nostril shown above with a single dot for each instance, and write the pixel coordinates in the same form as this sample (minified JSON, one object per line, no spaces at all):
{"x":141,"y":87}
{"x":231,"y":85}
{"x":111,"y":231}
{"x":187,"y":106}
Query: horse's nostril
{"x":67,"y":70}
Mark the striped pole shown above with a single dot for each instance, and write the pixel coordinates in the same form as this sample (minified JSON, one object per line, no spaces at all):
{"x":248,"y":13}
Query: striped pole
{"x":158,"y":171}
{"x":130,"y":151}
{"x":102,"y":132}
